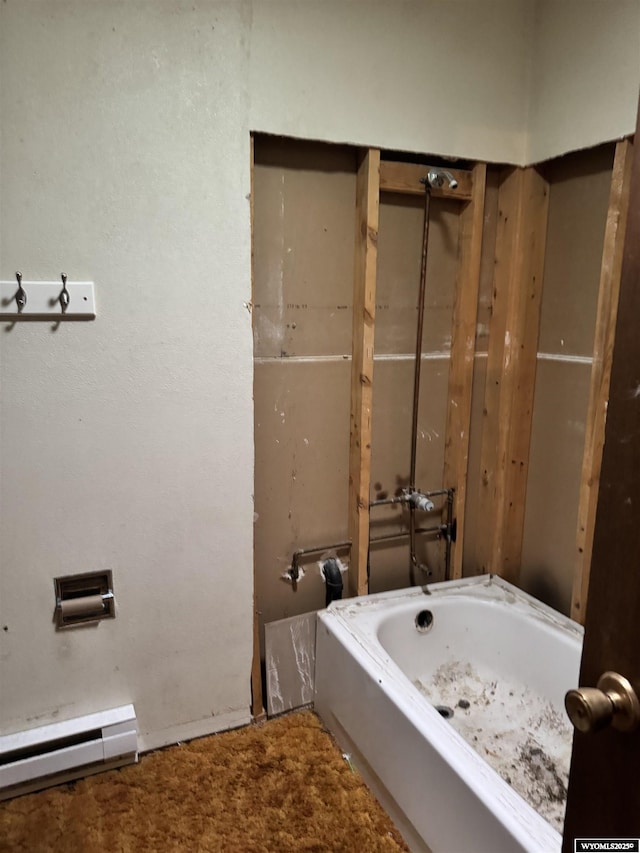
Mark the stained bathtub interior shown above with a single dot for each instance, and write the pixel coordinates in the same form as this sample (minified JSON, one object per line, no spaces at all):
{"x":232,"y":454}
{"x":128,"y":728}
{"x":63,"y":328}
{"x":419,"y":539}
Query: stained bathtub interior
{"x":522,"y":735}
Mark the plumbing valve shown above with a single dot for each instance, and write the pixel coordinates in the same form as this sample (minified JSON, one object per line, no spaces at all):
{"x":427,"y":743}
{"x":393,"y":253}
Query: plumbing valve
{"x":420,"y":501}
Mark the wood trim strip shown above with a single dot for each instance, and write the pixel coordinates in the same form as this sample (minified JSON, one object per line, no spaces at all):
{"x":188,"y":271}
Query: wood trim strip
{"x":511,"y":368}
{"x":257,"y":702}
{"x":527,"y":282}
{"x":463,"y":339}
{"x":405,"y":178}
{"x":607,"y":310}
{"x":364,"y":304}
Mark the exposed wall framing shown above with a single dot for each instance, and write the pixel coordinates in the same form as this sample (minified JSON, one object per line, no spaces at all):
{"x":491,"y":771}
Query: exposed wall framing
{"x":511,"y":368}
{"x":579,"y":189}
{"x":309,"y":268}
{"x":405,"y":178}
{"x":463,"y":340}
{"x":607,"y":311}
{"x":364,"y":309}
{"x":401,"y":235}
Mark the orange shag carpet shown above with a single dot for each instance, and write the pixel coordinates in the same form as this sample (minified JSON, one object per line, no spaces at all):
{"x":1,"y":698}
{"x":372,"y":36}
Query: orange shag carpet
{"x":270,"y":788}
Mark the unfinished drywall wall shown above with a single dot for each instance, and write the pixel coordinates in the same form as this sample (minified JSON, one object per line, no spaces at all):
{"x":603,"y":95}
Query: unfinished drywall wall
{"x":304,"y":224}
{"x":579,"y":196}
{"x":399,"y":260}
{"x":298,"y":247}
{"x":304,"y":220}
{"x":579,"y":191}
{"x":585,"y":75}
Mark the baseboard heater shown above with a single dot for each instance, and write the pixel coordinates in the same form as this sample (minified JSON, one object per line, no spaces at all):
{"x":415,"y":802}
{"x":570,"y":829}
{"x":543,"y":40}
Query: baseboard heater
{"x":60,"y":752}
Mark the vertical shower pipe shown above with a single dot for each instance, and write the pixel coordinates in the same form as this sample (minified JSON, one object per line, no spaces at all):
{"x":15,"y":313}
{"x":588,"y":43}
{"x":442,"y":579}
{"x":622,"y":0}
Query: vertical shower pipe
{"x":413,"y":563}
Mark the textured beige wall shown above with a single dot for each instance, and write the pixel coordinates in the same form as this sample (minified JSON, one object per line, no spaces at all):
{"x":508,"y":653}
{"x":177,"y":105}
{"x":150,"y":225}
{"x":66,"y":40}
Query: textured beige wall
{"x":441,"y":76}
{"x":506,"y":81}
{"x":585,"y":75}
{"x":126,"y":443}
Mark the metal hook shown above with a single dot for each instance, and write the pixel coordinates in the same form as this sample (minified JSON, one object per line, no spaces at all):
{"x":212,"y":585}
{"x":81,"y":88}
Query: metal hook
{"x":64,"y":297}
{"x":21,"y":295}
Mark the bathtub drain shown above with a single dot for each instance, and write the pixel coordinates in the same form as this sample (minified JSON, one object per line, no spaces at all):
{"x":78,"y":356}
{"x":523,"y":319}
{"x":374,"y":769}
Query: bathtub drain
{"x":424,"y":621}
{"x":444,"y":711}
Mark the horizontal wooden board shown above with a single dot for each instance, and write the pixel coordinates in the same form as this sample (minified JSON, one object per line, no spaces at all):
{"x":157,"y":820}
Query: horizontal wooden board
{"x":406,"y":178}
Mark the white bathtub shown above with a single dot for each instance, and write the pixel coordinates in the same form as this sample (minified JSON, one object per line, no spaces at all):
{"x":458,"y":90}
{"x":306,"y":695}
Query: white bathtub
{"x":508,"y":660}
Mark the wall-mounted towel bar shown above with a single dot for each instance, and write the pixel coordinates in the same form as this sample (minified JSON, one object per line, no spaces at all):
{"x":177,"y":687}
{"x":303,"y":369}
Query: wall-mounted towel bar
{"x":47,"y":300}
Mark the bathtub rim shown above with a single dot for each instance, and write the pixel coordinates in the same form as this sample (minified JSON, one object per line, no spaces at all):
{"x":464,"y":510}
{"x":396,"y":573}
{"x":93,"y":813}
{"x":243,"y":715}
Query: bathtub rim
{"x":352,"y":608}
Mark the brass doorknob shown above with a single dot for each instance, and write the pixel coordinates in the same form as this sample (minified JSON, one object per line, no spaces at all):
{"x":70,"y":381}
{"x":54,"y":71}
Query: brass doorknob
{"x":612,"y":702}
